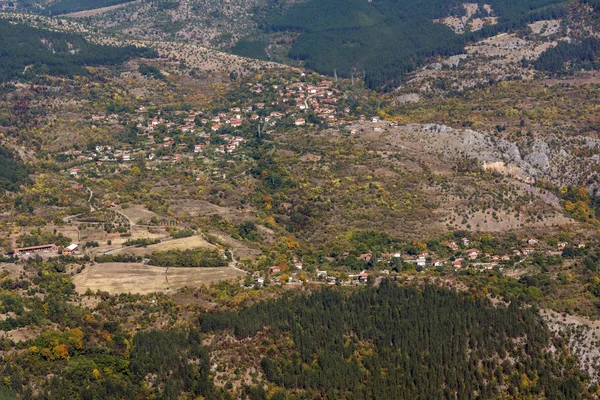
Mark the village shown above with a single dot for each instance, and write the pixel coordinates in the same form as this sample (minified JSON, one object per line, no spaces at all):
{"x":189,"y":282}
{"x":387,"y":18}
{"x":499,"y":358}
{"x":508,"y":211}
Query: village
{"x":157,"y":138}
{"x":459,"y":257}
{"x":172,"y":136}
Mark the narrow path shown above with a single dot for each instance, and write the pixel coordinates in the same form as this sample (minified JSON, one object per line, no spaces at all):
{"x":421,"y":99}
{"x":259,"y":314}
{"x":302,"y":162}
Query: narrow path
{"x":92,"y":208}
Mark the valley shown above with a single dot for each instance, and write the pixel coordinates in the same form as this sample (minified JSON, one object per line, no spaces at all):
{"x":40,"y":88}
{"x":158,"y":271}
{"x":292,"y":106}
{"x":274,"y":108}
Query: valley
{"x":264,"y":200}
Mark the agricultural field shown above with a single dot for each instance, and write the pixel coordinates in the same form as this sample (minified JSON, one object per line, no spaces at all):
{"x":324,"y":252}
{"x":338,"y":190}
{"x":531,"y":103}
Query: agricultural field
{"x":116,"y":278}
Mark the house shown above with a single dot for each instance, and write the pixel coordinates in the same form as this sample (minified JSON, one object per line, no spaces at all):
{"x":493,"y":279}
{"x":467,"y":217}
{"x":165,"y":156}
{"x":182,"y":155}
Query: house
{"x":70,"y":249}
{"x":236,"y":122}
{"x":74,"y":171}
{"x":365,"y":257}
{"x":188,"y":128}
{"x":274,"y":269}
{"x":472,"y":253}
{"x":298,"y":265}
{"x":528,"y":250}
{"x":452,"y":246}
{"x":321,"y":274}
{"x":375,"y":120}
{"x":561,"y":246}
{"x":438,"y":263}
{"x":421,"y":262}
{"x":300,"y":122}
{"x":506,"y":257}
{"x":215,"y":128}
{"x":199,"y":147}
{"x":457,"y":263}
{"x":532,"y":241}
{"x":465,"y":241}
{"x":363,"y":276}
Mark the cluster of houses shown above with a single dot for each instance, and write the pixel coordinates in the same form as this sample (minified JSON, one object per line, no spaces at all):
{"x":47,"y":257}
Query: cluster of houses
{"x":167,"y":136}
{"x":462,"y":256}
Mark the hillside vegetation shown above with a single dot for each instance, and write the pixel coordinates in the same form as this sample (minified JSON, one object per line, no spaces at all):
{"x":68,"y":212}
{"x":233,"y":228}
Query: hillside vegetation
{"x":394,"y":342}
{"x":26,"y":52}
{"x":385,"y":39}
{"x":12,"y":172}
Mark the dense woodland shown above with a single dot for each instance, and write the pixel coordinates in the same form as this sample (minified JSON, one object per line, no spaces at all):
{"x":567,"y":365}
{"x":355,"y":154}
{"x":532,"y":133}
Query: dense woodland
{"x":12,"y":172}
{"x":26,"y":52}
{"x":398,"y":342}
{"x":570,"y":56}
{"x":382,"y":40}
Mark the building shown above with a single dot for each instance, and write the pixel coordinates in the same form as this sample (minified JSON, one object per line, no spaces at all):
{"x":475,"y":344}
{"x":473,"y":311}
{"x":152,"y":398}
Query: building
{"x":274,"y":269}
{"x":70,"y":249}
{"x":472,"y":253}
{"x":34,"y":249}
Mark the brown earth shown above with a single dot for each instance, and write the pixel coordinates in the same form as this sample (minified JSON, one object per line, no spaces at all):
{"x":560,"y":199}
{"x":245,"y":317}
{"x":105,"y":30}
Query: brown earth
{"x":118,"y":278}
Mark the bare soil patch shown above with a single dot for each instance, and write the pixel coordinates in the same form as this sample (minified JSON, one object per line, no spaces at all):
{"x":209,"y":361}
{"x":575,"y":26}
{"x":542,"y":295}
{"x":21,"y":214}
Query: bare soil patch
{"x":196,"y":208}
{"x":239,"y":248}
{"x":97,"y":11}
{"x":143,"y":279}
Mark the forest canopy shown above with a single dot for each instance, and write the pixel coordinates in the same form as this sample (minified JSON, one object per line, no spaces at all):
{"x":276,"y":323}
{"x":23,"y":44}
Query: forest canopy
{"x":383,"y":39}
{"x":26,"y":52}
{"x":12,"y":171}
{"x":570,"y":56}
{"x":403,"y":342}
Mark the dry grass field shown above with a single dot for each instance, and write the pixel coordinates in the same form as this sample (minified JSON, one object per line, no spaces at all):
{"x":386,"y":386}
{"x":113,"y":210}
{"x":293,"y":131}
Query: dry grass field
{"x":97,"y":11}
{"x":139,"y":215}
{"x":192,"y":242}
{"x":118,"y":278}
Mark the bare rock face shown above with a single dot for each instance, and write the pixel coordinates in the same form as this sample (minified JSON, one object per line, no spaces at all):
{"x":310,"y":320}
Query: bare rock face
{"x":539,"y":156}
{"x":408,"y":98}
{"x":540,"y":160}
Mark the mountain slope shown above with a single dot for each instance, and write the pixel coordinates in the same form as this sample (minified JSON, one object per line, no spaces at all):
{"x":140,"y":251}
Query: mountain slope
{"x":385,"y":39}
{"x":26,"y":52}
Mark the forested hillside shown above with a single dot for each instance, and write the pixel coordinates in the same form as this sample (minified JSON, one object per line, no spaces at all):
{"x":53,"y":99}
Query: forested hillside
{"x":12,"y":172}
{"x":384,"y":39}
{"x":26,"y":52}
{"x":399,"y":342}
{"x":570,"y":56}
